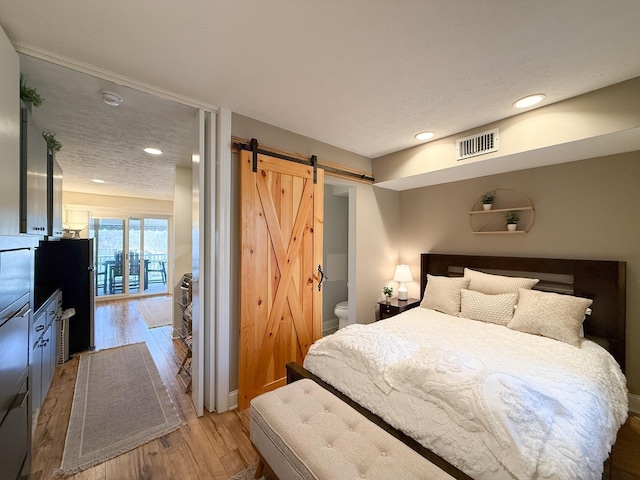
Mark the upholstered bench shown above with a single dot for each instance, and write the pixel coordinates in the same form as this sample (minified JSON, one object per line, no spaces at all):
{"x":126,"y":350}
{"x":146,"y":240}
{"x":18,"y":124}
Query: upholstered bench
{"x":302,"y":431}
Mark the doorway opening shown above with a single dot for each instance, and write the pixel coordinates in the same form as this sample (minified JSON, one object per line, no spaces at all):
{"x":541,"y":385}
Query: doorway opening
{"x":131,"y":256}
{"x":337,"y":238}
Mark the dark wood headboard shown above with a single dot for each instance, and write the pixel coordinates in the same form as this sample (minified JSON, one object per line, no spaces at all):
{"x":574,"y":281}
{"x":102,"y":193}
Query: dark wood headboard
{"x":602,"y":281}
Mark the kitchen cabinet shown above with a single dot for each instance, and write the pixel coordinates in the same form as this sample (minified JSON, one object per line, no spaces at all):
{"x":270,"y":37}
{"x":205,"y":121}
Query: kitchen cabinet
{"x":44,"y":334}
{"x":54,"y":196}
{"x":33,"y":179}
{"x":9,"y":137}
{"x":16,"y":267}
{"x":14,"y":437}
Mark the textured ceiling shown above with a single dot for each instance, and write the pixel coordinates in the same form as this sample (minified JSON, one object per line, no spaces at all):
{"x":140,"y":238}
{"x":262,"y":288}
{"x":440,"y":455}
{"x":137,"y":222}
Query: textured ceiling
{"x":361,"y":75}
{"x":105,"y":142}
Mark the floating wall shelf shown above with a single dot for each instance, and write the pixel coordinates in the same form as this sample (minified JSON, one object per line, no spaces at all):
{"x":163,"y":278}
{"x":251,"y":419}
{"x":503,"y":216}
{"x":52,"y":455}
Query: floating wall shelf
{"x":491,"y":222}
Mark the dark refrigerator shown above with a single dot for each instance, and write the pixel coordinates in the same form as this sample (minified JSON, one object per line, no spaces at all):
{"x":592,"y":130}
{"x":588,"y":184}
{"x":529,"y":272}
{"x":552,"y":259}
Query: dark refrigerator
{"x":67,"y":264}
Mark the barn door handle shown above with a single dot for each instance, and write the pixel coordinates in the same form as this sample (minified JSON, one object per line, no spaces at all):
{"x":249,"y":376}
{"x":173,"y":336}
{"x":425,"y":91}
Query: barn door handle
{"x":322,"y":278}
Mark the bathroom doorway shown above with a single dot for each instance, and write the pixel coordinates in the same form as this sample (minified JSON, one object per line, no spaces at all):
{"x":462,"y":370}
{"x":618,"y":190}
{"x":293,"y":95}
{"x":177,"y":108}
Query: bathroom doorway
{"x":336,"y":256}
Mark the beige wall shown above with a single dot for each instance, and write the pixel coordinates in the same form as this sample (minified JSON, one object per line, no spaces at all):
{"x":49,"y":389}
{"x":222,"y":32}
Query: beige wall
{"x":584,"y":210}
{"x":114,"y":204}
{"x":181,"y":242}
{"x":598,"y":123}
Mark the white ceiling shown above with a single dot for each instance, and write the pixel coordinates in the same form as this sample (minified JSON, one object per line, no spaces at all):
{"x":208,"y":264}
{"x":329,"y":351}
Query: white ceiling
{"x":104,"y":142}
{"x":361,"y":75}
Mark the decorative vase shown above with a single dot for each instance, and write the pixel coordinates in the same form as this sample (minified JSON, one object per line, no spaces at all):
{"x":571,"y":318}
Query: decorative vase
{"x":387,"y":299}
{"x":512,"y":227}
{"x":486,"y":206}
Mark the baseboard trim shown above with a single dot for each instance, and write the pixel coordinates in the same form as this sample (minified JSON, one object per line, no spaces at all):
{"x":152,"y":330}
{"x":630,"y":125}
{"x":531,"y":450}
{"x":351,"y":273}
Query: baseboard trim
{"x":233,"y":399}
{"x":329,"y":327}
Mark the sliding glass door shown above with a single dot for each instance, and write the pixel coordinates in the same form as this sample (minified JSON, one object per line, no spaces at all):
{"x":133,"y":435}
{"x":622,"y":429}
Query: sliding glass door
{"x":131,"y":255}
{"x":154,"y":240}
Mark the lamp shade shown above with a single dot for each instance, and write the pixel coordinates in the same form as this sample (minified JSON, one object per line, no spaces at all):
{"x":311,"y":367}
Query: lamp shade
{"x":403,"y":274}
{"x":77,"y":219}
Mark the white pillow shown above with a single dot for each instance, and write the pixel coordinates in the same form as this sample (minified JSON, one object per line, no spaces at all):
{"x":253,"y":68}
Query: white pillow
{"x":443,"y":294}
{"x":551,"y":315}
{"x":495,"y":284}
{"x":487,"y":308}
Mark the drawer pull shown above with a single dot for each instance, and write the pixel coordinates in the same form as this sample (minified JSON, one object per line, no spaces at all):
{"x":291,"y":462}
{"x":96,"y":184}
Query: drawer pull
{"x":24,"y":311}
{"x":20,"y":401}
{"x":39,"y":328}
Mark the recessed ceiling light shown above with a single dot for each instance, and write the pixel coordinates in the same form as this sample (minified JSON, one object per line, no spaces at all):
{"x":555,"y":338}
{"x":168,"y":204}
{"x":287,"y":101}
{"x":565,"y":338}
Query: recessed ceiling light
{"x":97,"y":180}
{"x":153,"y":151}
{"x":529,"y":101}
{"x":111,"y":98}
{"x":424,"y":135}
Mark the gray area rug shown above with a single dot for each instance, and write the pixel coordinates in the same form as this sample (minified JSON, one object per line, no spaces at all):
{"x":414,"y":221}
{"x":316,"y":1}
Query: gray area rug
{"x":156,"y":312}
{"x":119,"y":404}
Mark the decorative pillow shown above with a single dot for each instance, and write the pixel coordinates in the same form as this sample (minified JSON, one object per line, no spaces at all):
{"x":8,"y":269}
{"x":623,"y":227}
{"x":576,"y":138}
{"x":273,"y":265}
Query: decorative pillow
{"x":551,"y":315}
{"x":495,"y":284}
{"x":488,"y":308}
{"x":443,"y":294}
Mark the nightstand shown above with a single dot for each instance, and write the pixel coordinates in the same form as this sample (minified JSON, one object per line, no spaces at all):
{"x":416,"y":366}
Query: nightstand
{"x":396,"y":306}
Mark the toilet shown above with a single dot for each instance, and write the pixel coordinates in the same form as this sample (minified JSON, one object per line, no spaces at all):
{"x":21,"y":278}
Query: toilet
{"x":342,"y":312}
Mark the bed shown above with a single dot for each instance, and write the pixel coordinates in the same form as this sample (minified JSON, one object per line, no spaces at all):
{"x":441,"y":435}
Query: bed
{"x":479,"y":398}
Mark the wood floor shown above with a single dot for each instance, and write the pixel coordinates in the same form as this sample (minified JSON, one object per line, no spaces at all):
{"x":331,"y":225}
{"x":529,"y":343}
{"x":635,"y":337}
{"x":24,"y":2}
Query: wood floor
{"x":215,"y":446}
{"x":212,"y":447}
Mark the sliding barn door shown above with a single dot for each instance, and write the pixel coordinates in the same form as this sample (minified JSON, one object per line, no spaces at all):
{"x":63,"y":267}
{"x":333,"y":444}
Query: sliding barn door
{"x":281,"y":303}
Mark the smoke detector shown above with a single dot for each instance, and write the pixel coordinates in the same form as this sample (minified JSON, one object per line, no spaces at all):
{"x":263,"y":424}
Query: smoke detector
{"x":111,"y":98}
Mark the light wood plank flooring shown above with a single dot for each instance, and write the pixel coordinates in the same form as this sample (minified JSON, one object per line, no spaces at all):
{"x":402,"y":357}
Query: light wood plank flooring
{"x":215,"y":446}
{"x":212,"y":447}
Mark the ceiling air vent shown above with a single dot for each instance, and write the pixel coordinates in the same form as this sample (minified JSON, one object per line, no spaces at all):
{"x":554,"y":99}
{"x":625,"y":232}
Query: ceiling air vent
{"x":479,"y":144}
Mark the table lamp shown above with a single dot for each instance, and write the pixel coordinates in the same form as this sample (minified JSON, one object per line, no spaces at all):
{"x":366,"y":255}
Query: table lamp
{"x":402,"y":275}
{"x":77,"y":220}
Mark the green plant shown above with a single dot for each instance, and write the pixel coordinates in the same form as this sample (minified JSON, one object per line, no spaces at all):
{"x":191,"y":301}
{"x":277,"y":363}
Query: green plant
{"x":488,"y":197}
{"x":29,"y":94}
{"x":388,"y":291}
{"x":53,"y":144}
{"x":511,"y":217}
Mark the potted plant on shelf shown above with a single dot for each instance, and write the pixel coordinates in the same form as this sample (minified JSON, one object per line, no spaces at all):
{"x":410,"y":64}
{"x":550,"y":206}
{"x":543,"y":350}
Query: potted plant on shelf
{"x":29,"y":95}
{"x":487,"y":199}
{"x":388,"y":292}
{"x":52,"y":142}
{"x":512,"y":220}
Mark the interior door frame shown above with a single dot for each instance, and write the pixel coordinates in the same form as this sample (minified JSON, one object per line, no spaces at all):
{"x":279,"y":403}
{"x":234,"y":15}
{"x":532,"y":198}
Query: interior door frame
{"x":211,"y":251}
{"x":220,"y":331}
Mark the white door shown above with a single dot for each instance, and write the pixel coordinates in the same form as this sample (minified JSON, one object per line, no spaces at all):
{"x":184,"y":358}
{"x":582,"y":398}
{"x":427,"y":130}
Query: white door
{"x":203,"y":264}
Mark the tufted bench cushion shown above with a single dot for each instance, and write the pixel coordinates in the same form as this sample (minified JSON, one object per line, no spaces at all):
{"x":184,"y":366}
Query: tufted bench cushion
{"x":303,"y":431}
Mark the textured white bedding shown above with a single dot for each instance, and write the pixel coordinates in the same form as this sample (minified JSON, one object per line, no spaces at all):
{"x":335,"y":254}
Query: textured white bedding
{"x":496,"y":403}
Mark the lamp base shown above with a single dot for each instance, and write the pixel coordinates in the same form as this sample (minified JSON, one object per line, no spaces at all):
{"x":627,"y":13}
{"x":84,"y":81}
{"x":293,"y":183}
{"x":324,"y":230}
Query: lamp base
{"x":71,"y":233}
{"x":402,"y":292}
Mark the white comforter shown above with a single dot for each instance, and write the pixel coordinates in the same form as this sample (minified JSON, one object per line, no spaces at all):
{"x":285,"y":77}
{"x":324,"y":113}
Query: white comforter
{"x":519,"y":406}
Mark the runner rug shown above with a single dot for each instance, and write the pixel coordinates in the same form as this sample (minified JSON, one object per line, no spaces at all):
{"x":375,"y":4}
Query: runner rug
{"x":119,"y":404}
{"x":156,"y":312}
